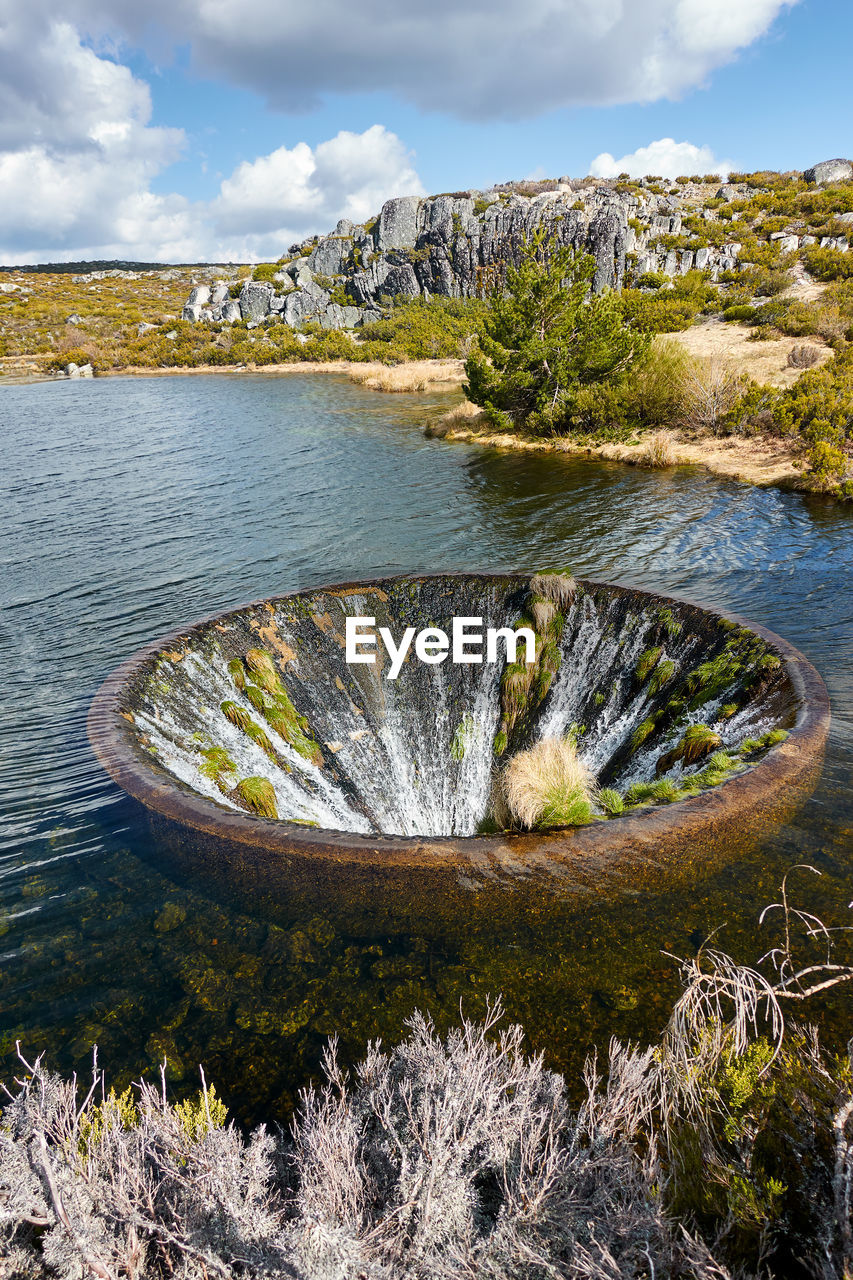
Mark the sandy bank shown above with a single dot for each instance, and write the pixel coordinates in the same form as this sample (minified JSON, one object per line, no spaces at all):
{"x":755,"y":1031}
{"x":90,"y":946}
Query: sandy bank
{"x":760,"y":460}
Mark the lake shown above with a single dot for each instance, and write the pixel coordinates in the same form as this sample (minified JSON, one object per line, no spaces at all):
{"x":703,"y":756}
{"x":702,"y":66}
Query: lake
{"x":133,"y":506}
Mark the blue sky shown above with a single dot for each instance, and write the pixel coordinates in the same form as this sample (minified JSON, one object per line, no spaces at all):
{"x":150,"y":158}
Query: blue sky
{"x":213,"y":130}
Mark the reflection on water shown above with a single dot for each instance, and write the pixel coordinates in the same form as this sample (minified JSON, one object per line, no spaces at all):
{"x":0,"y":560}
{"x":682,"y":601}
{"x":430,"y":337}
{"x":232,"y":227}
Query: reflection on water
{"x":134,"y":506}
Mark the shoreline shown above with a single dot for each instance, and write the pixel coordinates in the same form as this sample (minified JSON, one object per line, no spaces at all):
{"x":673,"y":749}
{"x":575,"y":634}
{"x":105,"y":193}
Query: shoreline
{"x":761,"y":461}
{"x":435,"y":373}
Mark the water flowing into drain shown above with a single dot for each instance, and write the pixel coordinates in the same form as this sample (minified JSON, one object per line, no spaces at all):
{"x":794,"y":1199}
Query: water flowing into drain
{"x":259,"y":710}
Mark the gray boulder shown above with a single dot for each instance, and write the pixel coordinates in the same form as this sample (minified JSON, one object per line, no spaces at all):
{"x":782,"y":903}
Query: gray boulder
{"x":302,"y":307}
{"x":329,"y":256}
{"x":255,"y":300}
{"x":829,"y":171}
{"x":231,"y":311}
{"x":192,"y":312}
{"x":79,"y":370}
{"x":200,"y":296}
{"x":220,"y":293}
{"x":398,"y":223}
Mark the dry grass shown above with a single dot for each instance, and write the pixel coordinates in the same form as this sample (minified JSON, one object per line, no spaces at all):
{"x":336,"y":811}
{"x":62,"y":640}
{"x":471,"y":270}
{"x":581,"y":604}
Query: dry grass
{"x":559,"y":588}
{"x":657,"y":451}
{"x":548,"y":785}
{"x":415,"y":375}
{"x":765,"y":362}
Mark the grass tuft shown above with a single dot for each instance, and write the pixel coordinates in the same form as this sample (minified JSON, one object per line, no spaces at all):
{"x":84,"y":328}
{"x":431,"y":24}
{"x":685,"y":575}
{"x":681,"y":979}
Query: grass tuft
{"x":548,"y":786}
{"x":255,"y":795}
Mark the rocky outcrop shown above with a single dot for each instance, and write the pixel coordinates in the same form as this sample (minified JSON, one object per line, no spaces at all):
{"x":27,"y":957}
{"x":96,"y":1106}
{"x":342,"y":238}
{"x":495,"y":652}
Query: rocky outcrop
{"x":829,"y":171}
{"x":459,"y":246}
{"x":453,"y":246}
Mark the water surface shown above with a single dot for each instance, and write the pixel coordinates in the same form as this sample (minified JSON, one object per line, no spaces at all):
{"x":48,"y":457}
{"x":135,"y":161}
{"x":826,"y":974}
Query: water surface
{"x":133,"y":506}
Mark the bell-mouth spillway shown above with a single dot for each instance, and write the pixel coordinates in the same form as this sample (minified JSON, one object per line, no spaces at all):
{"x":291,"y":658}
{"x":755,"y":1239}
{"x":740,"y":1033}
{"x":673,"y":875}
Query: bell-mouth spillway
{"x":387,"y":776}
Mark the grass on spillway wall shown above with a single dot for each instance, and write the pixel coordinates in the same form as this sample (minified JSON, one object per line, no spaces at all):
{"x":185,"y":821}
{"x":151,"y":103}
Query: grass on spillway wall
{"x":724,"y":1149}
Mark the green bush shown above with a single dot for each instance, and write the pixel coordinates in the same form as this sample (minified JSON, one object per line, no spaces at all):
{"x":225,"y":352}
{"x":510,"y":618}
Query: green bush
{"x":819,"y":406}
{"x":651,"y":280}
{"x":550,"y":351}
{"x":740,"y":312}
{"x":662,"y":312}
{"x":265,"y":271}
{"x":421,"y":329}
{"x":828,"y":264}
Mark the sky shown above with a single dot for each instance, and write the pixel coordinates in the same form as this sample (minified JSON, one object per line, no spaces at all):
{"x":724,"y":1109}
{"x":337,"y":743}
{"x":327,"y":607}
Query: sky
{"x":225,"y":130}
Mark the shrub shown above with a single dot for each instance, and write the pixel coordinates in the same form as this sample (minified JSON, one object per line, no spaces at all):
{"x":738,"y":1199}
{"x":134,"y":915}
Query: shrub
{"x":740,"y":312}
{"x":421,"y":329}
{"x":711,"y":389}
{"x":802,"y":357}
{"x":265,"y":271}
{"x":651,"y":280}
{"x":819,"y":406}
{"x":662,"y":312}
{"x":828,"y":264}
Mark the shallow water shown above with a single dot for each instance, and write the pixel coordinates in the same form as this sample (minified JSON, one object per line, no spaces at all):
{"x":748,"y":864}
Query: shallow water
{"x":134,"y":506}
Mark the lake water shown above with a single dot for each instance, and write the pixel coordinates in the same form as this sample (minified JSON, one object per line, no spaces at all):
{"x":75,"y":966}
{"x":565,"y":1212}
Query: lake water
{"x":133,"y":506}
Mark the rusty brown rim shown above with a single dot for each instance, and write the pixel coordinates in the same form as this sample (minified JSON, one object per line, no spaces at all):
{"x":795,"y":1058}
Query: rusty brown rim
{"x":116,"y":748}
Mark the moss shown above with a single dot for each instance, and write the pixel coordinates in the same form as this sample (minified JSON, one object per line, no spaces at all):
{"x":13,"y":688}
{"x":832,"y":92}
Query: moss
{"x":775,"y":736}
{"x":238,"y":715}
{"x":647,"y":663}
{"x":256,"y":795}
{"x":543,"y":682}
{"x":461,"y":738}
{"x":516,"y":684}
{"x":662,"y":674}
{"x":257,"y":697}
{"x":217,"y":765}
{"x":237,"y":672}
{"x":281,"y":714}
{"x":566,"y":809}
{"x":665,"y":790}
{"x":640,"y":793}
{"x":698,"y":741}
{"x":611,"y":801}
{"x":770,"y":662}
{"x":259,"y":736}
{"x":722,"y":762}
{"x":643,"y":731}
{"x":500,"y":742}
{"x":263,"y":669}
{"x":599,"y":699}
{"x":669,"y":622}
{"x":726,"y":712}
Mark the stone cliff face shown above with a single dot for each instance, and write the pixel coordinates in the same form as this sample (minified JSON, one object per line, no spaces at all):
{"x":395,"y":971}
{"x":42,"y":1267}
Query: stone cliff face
{"x":453,"y":246}
{"x":458,"y":246}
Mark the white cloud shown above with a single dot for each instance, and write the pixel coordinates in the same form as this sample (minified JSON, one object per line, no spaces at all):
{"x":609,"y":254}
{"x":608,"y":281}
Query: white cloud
{"x":665,"y":157}
{"x":349,"y":176}
{"x":79,"y":154}
{"x":78,"y":157}
{"x":482,"y":59}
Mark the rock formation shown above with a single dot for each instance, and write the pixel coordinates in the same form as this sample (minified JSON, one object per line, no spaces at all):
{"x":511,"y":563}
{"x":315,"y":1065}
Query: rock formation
{"x":458,"y":246}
